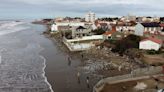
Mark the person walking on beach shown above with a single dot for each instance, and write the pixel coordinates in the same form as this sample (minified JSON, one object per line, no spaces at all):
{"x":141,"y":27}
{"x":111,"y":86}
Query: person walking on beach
{"x":69,"y":61}
{"x":88,"y":86}
{"x":78,"y":77}
{"x":82,"y":56}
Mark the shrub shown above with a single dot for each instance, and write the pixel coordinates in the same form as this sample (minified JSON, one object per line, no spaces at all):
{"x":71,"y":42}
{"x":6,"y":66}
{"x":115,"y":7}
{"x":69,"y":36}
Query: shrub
{"x":131,"y":41}
{"x":153,"y":52}
{"x":99,"y":31}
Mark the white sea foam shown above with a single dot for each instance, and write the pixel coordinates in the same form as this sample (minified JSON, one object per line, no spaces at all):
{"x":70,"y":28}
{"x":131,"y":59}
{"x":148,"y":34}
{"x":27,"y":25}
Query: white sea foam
{"x":15,"y":63}
{"x":7,"y":27}
{"x":44,"y":74}
{"x":43,"y":69}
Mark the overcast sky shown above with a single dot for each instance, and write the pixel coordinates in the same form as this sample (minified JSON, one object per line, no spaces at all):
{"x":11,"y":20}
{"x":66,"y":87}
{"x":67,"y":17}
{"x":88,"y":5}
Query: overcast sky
{"x":56,"y":8}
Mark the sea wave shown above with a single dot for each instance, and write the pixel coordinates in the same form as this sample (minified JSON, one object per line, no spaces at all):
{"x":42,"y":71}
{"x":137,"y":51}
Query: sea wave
{"x":7,"y":27}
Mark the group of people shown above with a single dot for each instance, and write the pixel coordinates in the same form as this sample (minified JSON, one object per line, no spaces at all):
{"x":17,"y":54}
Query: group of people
{"x":78,"y":73}
{"x":87,"y":79}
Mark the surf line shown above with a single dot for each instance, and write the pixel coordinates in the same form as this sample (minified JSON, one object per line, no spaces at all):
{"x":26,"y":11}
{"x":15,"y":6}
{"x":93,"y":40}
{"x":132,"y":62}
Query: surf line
{"x":44,"y":74}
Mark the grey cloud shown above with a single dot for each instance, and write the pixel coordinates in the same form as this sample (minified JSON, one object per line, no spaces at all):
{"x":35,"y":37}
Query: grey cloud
{"x":80,"y":7}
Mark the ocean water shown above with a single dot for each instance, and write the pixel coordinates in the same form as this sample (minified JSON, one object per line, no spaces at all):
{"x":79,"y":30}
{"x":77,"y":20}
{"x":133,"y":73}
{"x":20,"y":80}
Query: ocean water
{"x":21,"y":65}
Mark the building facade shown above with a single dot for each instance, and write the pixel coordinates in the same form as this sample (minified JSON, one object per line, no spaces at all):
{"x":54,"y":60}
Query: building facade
{"x":54,"y":28}
{"x":151,"y":28}
{"x":80,"y":32}
{"x":90,"y":17}
{"x":150,"y":44}
{"x":70,"y":24}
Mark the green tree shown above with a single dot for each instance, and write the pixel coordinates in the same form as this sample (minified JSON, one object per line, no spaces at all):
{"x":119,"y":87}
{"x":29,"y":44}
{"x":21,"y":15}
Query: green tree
{"x":131,"y":41}
{"x":99,"y":31}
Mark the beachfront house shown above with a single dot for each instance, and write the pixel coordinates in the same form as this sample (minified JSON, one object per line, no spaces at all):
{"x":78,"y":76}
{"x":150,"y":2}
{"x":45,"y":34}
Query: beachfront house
{"x":54,"y":28}
{"x":151,"y":28}
{"x":64,"y":26}
{"x":76,"y":24}
{"x":80,"y":32}
{"x":83,"y":43}
{"x":150,"y":44}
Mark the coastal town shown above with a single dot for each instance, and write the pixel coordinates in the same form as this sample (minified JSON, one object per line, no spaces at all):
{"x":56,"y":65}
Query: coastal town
{"x":81,"y":46}
{"x":127,"y":51}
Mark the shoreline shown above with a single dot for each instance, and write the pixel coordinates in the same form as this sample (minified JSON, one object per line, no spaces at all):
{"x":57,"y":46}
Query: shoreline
{"x":95,"y":64}
{"x":90,"y":54}
{"x":82,"y":65}
{"x":76,"y":62}
{"x":106,"y":64}
{"x":44,"y":73}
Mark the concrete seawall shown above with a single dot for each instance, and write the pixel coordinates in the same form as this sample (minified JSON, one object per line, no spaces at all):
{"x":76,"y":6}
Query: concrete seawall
{"x":78,"y":46}
{"x":135,"y":75}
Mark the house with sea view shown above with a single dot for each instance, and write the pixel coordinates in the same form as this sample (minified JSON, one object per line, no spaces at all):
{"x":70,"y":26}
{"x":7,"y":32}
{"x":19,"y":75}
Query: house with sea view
{"x":80,"y":32}
{"x":150,"y":44}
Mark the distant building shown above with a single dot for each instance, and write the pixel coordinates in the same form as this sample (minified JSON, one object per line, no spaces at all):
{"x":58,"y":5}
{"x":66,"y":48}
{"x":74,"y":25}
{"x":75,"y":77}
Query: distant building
{"x":150,"y":19}
{"x":80,"y":32}
{"x":162,"y":19}
{"x":108,"y":34}
{"x":128,"y":18}
{"x":103,"y":25}
{"x":90,"y":17}
{"x":58,"y":19}
{"x":76,"y":24}
{"x":54,"y":28}
{"x":142,"y":28}
{"x":162,"y":26}
{"x":113,"y":34}
{"x":64,"y":26}
{"x":150,"y":44}
{"x":94,"y":27}
{"x":125,"y":27}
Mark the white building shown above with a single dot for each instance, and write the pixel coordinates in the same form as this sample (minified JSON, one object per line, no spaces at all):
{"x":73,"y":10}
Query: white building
{"x":150,"y":44}
{"x":58,"y":25}
{"x":142,"y":28}
{"x":83,"y":43}
{"x":122,"y":28}
{"x":90,"y":17}
{"x":150,"y":19}
{"x":139,"y":29}
{"x":76,"y":24}
{"x":128,"y":18}
{"x":80,"y":32}
{"x":54,"y":28}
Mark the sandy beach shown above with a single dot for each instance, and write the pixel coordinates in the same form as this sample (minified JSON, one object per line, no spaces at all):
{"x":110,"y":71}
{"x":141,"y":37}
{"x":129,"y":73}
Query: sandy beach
{"x":62,"y":75}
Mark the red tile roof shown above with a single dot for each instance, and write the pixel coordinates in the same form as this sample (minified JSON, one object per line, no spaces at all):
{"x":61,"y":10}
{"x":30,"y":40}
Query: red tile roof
{"x":161,"y":25}
{"x":103,"y":24}
{"x":154,"y":40}
{"x":110,"y":32}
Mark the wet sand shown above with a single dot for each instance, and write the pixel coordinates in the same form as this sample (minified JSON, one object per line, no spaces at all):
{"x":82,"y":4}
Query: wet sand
{"x":26,"y":52}
{"x":61,"y":75}
{"x":22,"y":66}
